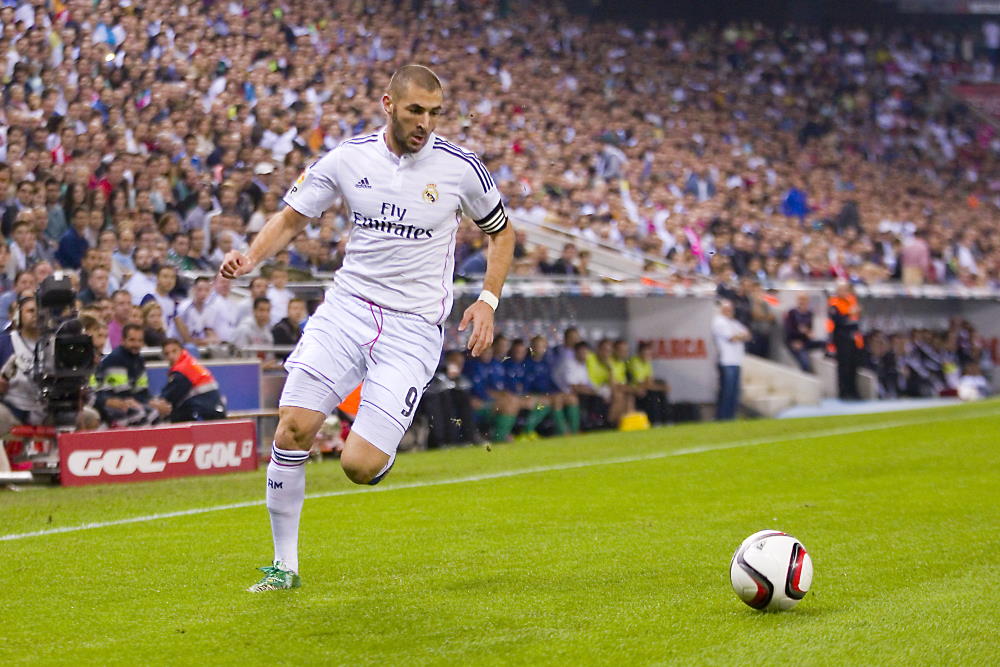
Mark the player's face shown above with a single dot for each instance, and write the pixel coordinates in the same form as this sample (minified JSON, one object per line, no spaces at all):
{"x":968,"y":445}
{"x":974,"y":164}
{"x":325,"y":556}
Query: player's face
{"x":413,"y":117}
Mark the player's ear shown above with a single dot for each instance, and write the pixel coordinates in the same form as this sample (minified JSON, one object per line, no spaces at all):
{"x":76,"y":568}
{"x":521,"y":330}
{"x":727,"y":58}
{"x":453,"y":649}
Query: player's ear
{"x":387,"y":104}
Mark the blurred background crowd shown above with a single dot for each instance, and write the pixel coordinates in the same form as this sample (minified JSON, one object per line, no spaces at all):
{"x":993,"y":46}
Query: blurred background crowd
{"x":140,"y":142}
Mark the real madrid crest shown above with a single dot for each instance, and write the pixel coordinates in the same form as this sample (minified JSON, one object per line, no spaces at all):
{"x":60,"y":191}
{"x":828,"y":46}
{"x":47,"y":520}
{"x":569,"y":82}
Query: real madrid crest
{"x":430,"y":193}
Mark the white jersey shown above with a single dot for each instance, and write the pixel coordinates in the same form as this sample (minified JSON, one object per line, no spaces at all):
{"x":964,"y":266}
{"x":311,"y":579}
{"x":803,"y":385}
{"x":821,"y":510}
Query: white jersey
{"x":401,"y":250}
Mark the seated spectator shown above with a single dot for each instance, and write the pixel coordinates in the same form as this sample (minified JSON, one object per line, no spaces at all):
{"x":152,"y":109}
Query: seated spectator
{"x":191,"y":391}
{"x":73,"y":243}
{"x":573,"y":376}
{"x":121,"y":312}
{"x":166,"y":281}
{"x":650,"y":392}
{"x":26,"y":250}
{"x":447,"y":404}
{"x":493,"y":405}
{"x":153,"y":328}
{"x":97,"y":286}
{"x":279,"y":294}
{"x":289,"y":330}
{"x":798,"y":333}
{"x":609,"y":385}
{"x":566,"y":264}
{"x":244,"y":308}
{"x":256,"y":331}
{"x":540,"y":381}
{"x":973,"y":385}
{"x":143,"y":281}
{"x":24,"y":283}
{"x":197,"y":319}
{"x":538,"y":406}
{"x":122,"y":397}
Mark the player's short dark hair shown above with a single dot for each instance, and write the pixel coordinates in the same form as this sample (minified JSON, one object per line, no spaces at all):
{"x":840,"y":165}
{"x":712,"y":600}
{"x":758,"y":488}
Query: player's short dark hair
{"x":202,"y":279}
{"x":128,"y":328}
{"x":417,"y":75}
{"x":259,"y":300}
{"x":297,"y":299}
{"x":171,"y":341}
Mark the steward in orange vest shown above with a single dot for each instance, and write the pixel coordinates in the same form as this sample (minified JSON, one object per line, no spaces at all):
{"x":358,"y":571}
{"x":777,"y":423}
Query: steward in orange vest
{"x":191,"y":390}
{"x":844,"y":313}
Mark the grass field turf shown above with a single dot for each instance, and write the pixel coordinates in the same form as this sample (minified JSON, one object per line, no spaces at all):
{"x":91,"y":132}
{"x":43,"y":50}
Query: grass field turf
{"x":615,"y":552}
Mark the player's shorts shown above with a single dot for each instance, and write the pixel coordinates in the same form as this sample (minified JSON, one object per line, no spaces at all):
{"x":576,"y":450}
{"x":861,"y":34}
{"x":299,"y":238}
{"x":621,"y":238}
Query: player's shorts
{"x":349,"y":339}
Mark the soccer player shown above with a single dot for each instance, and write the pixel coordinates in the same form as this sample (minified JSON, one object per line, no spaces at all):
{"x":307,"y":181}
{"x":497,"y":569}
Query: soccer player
{"x":381,"y":322}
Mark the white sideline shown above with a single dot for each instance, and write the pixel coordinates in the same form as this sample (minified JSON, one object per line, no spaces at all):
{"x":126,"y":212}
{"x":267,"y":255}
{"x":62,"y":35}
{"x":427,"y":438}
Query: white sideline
{"x":506,"y":473}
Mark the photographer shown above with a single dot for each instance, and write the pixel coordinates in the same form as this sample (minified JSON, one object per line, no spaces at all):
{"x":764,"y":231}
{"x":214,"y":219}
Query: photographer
{"x":21,"y":401}
{"x":123,"y":387}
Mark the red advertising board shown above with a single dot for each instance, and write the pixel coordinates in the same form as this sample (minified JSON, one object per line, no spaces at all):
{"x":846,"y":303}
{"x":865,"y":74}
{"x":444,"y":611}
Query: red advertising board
{"x":157,"y":452}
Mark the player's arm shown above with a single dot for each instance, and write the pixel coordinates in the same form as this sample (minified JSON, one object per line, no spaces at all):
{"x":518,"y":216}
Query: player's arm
{"x":311,"y":194}
{"x":481,"y":202}
{"x":499,"y":256}
{"x":279,"y":231}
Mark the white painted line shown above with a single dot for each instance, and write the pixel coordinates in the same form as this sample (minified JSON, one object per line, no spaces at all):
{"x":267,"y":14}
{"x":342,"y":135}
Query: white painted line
{"x":505,"y":473}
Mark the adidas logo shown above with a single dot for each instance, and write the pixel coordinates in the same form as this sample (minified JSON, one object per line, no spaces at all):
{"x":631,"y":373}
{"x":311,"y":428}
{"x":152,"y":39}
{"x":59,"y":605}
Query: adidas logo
{"x":363,"y":184}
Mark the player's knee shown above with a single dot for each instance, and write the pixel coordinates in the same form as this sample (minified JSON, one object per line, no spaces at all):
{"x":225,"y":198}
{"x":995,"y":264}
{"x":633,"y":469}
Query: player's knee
{"x":292,"y":435}
{"x":359,"y":469}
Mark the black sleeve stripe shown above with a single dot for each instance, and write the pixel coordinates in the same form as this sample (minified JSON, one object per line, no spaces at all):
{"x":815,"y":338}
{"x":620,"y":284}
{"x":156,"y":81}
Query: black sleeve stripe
{"x":494,"y":221}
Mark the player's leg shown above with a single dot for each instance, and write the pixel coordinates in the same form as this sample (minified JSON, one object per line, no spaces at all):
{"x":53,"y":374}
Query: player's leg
{"x":326,"y":365}
{"x":286,"y":473}
{"x":363,"y":462}
{"x":402,"y":366}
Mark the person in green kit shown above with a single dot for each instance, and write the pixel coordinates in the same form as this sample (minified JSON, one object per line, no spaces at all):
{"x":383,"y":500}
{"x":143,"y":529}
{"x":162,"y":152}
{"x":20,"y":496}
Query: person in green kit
{"x":650,"y":393}
{"x":601,"y":373}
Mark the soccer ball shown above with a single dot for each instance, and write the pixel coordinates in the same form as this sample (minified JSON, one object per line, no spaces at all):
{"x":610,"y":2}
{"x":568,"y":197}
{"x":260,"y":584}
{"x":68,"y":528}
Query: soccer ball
{"x":771,"y":571}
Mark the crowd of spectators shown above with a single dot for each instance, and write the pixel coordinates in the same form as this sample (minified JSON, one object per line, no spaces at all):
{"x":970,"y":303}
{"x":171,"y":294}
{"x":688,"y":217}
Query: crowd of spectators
{"x":924,"y":362}
{"x":777,"y":153}
{"x":524,"y":386}
{"x":141,"y":141}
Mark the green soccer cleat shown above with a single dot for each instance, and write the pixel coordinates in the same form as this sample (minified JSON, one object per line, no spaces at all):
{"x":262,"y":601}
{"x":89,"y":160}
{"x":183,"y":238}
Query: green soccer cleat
{"x":276,"y":577}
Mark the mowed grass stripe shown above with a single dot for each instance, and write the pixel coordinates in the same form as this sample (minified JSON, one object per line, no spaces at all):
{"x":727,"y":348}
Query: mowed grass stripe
{"x":752,"y":442}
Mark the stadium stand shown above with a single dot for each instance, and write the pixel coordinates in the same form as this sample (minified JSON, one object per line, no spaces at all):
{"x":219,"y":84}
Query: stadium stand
{"x":137,"y":136}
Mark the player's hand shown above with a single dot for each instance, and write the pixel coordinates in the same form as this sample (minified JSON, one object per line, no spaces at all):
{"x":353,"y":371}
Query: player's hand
{"x":235,"y":264}
{"x":480,"y":314}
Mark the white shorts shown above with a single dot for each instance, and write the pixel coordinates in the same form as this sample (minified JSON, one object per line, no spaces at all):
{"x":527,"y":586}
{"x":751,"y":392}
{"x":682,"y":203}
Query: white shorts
{"x":349,"y":339}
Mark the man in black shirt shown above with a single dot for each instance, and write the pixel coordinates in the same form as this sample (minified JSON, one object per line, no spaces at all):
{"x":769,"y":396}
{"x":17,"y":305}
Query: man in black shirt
{"x":798,"y":333}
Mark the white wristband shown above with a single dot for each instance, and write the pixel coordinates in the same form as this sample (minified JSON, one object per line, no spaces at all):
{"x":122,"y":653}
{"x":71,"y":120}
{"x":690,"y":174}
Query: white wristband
{"x":490,"y":298}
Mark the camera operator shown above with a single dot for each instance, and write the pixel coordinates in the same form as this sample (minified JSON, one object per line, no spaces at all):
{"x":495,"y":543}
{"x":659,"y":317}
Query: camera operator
{"x":123,"y":387}
{"x":21,"y":397}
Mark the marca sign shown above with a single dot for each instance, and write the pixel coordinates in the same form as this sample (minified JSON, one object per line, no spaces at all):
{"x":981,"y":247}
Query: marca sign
{"x":157,"y":452}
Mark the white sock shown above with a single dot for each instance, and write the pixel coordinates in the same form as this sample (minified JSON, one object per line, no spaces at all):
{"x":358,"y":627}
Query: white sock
{"x":286,"y":491}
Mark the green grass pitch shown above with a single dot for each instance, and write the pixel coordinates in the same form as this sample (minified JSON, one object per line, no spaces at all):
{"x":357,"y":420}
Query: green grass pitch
{"x":601,"y":549}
